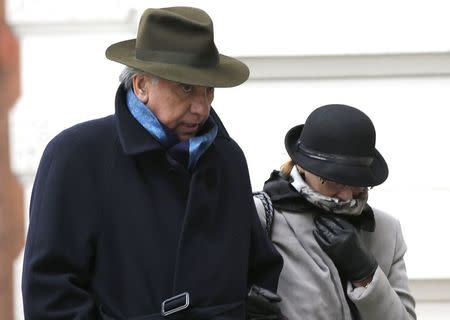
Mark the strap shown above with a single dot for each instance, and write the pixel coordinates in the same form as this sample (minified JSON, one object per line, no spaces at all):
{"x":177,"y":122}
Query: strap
{"x":268,"y":209}
{"x":195,"y":313}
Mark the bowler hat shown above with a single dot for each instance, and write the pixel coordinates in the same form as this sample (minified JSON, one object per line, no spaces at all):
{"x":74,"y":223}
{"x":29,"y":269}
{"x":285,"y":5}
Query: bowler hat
{"x":337,"y":143}
{"x":177,"y":44}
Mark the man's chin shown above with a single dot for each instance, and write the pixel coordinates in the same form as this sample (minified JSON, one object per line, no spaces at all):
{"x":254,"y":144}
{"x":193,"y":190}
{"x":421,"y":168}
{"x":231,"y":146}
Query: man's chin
{"x":188,"y":132}
{"x":185,"y":136}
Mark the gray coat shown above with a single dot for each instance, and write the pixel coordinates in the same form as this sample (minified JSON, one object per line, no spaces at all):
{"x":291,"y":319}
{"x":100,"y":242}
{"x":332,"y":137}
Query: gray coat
{"x":310,"y":285}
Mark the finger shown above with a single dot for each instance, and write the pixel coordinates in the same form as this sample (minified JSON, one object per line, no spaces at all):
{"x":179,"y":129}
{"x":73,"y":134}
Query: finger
{"x":324,"y":231}
{"x":341,"y":222}
{"x":321,"y":240}
{"x":327,"y":224}
{"x":320,"y":226}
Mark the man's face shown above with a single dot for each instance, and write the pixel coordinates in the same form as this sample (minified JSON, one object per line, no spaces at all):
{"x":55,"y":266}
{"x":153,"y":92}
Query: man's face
{"x":180,"y":107}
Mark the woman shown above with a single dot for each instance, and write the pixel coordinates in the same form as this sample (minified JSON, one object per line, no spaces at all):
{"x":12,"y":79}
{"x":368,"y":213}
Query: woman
{"x":342,"y":259}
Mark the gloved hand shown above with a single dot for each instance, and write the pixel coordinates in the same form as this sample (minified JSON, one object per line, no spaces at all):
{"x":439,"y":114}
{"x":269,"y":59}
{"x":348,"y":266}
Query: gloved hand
{"x":340,"y":240}
{"x":262,"y":304}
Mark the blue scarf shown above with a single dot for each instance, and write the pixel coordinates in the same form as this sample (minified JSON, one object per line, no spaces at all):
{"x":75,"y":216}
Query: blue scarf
{"x":186,"y":152}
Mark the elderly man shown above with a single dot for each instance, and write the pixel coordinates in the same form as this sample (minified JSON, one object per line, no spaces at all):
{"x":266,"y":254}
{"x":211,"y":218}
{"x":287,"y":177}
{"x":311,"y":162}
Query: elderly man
{"x":148,"y":213}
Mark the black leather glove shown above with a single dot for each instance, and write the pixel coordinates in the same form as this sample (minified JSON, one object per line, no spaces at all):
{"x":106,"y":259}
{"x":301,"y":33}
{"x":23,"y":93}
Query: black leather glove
{"x":262,"y":304}
{"x":340,"y":240}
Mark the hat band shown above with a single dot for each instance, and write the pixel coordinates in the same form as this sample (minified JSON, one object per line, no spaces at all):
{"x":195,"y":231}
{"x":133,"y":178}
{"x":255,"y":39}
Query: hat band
{"x":331,"y":157}
{"x":192,"y":59}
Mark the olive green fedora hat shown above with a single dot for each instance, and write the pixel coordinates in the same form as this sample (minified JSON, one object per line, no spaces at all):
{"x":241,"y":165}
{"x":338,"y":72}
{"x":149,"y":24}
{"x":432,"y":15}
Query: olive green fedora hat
{"x":177,"y":44}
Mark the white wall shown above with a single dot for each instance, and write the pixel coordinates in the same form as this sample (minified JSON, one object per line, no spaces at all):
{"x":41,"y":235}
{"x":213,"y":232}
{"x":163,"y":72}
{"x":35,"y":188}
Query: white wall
{"x":388,"y":58}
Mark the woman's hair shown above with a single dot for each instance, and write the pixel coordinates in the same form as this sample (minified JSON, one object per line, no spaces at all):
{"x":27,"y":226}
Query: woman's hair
{"x":286,"y":168}
{"x":127,"y":75}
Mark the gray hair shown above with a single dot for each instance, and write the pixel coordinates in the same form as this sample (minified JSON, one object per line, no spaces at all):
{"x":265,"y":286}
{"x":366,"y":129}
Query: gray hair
{"x":127,"y":75}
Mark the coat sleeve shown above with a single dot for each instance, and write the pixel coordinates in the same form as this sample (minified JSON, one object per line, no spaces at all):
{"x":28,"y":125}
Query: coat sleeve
{"x":266,"y":263}
{"x":59,"y":252}
{"x":386,"y":297}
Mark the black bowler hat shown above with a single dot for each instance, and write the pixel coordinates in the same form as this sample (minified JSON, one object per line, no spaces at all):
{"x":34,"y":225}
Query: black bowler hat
{"x":337,"y":143}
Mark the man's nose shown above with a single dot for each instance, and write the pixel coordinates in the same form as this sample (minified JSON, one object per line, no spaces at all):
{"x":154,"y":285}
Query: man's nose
{"x":201,"y":101}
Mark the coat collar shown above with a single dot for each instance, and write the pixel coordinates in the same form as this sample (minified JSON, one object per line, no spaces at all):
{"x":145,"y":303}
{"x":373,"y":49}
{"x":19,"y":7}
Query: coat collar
{"x":133,"y":137}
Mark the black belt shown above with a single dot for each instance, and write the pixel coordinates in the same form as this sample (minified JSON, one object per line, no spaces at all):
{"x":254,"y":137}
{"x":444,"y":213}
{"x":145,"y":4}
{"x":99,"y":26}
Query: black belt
{"x":178,"y":307}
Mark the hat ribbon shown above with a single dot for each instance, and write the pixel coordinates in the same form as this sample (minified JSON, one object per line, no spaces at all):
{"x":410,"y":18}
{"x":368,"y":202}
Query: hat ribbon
{"x":331,"y":157}
{"x":183,"y":58}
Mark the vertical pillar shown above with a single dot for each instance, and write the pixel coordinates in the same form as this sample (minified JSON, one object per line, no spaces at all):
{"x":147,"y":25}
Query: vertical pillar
{"x":11,"y":195}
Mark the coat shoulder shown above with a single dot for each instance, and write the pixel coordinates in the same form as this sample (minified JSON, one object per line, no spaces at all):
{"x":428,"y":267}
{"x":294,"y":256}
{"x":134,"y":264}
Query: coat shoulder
{"x":90,"y":137}
{"x":85,"y":145}
{"x":385,"y":222}
{"x":89,"y":132}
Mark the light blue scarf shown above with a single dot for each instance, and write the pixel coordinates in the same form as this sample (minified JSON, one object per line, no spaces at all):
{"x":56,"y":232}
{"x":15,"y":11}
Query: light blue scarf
{"x":195,"y":146}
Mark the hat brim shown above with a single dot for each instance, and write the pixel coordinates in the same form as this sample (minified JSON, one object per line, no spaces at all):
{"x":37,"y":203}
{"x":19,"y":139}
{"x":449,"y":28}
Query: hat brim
{"x":352,"y":175}
{"x":229,"y":72}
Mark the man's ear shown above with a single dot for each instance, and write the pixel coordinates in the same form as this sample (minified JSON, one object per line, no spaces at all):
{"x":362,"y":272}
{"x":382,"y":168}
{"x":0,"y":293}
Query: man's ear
{"x":141,"y":87}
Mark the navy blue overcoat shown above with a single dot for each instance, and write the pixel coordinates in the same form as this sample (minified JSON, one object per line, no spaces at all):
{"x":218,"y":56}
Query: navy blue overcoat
{"x":117,"y":226}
